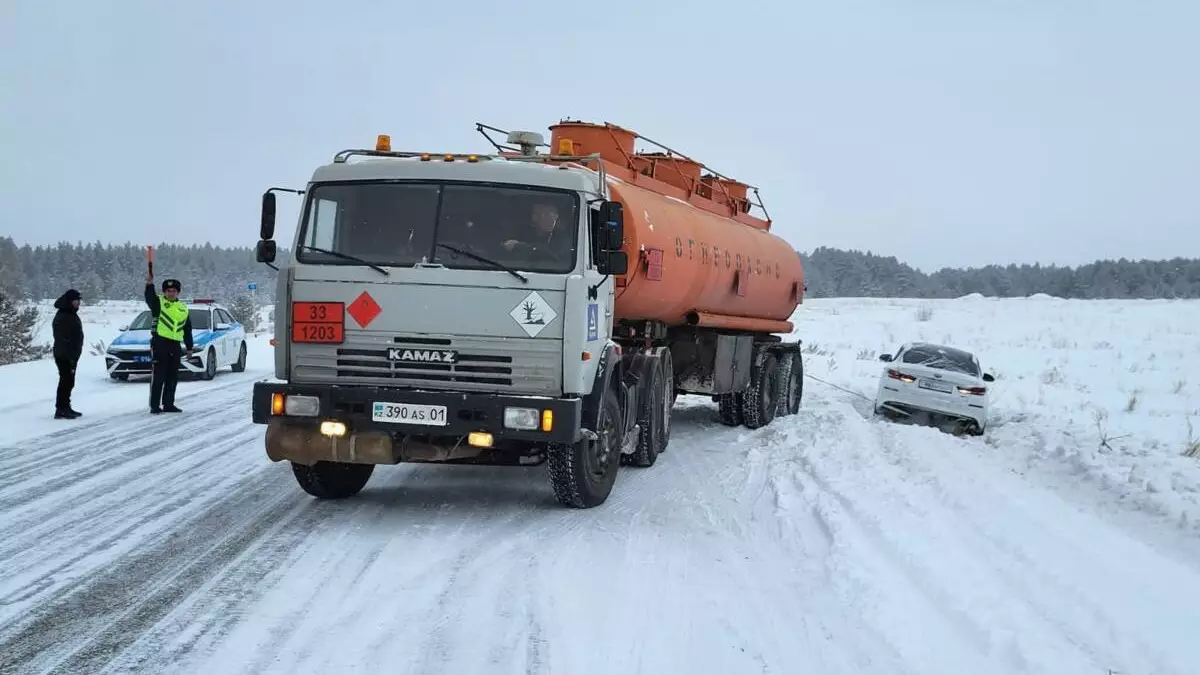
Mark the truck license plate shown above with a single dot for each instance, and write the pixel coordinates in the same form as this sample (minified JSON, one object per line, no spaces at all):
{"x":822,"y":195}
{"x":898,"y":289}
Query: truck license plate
{"x":943,"y":387}
{"x":409,"y":413}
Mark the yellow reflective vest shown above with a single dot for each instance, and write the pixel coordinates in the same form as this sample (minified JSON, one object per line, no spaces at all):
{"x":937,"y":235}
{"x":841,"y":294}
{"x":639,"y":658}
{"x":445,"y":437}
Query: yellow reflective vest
{"x":171,"y":318}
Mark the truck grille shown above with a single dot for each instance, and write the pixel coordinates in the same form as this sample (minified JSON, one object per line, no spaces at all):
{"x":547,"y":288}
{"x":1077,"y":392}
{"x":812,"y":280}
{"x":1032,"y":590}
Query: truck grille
{"x":482,"y":364}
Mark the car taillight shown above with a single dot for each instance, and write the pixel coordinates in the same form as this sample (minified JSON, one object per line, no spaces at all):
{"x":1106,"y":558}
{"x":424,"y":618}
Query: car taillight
{"x":897,"y":375}
{"x":977,"y":391}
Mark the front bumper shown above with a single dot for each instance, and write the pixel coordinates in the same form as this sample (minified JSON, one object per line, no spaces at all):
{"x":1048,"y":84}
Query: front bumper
{"x":465,"y":412}
{"x":139,"y":362}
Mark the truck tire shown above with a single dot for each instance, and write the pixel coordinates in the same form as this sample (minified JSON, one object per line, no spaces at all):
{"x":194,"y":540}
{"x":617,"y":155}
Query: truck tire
{"x":729,"y":407}
{"x":582,"y":474}
{"x":332,"y":480}
{"x":669,"y":394}
{"x":762,"y":397}
{"x":792,"y":381}
{"x":650,"y":418}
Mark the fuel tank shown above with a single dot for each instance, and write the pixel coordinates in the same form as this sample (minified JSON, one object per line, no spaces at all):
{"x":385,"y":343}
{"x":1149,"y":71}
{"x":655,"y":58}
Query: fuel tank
{"x":691,"y":266}
{"x":696,"y":254}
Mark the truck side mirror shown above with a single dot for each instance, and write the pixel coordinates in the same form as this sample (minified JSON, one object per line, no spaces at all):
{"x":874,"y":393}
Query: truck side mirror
{"x":265,"y":251}
{"x":612,"y":220}
{"x":613,"y":262}
{"x":266,"y":228}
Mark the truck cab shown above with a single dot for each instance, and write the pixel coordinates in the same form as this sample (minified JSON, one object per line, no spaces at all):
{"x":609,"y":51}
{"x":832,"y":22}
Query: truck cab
{"x":446,"y":308}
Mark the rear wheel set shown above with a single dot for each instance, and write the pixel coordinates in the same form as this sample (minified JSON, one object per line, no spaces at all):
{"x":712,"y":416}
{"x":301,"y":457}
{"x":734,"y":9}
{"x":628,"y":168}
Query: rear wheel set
{"x":776,"y":387}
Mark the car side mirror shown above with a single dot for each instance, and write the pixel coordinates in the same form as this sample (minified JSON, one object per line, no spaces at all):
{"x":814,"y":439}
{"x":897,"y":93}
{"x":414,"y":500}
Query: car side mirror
{"x":123,"y":328}
{"x":265,"y":251}
{"x":885,"y":357}
{"x":223,"y":326}
{"x":266,"y":227}
{"x":988,"y":377}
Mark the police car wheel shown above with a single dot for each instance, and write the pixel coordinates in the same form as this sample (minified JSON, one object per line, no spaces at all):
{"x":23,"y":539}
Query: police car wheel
{"x":210,"y":364}
{"x":240,"y":365}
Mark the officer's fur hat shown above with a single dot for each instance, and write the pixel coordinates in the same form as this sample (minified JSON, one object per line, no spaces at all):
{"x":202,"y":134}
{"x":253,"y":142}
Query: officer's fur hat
{"x":172,"y":283}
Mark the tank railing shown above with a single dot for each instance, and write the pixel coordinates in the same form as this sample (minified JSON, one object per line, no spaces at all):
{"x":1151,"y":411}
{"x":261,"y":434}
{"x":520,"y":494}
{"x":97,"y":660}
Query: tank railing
{"x":670,"y":151}
{"x":760,"y":204}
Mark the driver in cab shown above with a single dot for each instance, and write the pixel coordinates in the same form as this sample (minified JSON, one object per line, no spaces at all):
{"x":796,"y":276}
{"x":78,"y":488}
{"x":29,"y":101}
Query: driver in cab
{"x":543,"y":227}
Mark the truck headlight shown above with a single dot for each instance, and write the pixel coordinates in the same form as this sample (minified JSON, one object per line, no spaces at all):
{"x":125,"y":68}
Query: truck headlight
{"x":301,"y":406}
{"x":522,"y":418}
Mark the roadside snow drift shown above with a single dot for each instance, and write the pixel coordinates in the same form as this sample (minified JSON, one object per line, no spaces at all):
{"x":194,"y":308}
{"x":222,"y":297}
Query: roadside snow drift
{"x":1064,"y":541}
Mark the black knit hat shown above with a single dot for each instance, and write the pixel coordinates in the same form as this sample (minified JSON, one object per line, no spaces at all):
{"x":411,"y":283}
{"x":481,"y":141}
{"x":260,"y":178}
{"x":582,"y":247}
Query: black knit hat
{"x":172,"y":283}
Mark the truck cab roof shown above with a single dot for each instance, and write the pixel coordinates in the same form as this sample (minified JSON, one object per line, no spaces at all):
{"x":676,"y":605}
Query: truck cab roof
{"x":562,"y":177}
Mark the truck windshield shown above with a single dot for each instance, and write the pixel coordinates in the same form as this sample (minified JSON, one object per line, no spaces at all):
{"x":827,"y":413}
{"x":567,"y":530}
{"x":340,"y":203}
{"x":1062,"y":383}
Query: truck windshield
{"x":401,"y":224}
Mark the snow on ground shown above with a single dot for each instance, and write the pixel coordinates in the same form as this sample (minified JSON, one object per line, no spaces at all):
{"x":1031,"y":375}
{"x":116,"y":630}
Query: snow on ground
{"x":829,"y":542}
{"x":1097,"y":398}
{"x":27,"y":390}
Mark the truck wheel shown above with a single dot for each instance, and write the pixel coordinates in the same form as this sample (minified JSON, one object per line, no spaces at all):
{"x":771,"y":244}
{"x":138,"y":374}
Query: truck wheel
{"x":650,"y":419}
{"x":583,"y":474}
{"x":332,"y":480}
{"x":729,"y":407}
{"x":792,"y":379}
{"x":669,"y":394}
{"x":762,"y":398}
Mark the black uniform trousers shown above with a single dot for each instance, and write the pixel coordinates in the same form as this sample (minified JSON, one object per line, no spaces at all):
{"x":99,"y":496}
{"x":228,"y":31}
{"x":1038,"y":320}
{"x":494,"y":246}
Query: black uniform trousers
{"x":166,"y":354}
{"x":66,"y":383}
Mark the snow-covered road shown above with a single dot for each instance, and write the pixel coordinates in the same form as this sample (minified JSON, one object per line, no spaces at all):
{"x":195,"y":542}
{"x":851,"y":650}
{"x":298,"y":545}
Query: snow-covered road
{"x":825,"y":543}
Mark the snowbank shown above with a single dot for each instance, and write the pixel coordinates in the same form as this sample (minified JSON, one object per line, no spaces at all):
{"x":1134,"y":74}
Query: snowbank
{"x":1092,"y":396}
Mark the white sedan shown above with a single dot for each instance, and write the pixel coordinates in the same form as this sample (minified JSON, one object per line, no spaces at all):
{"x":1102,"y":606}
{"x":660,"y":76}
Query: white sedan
{"x":937,"y":382}
{"x":219,"y":340}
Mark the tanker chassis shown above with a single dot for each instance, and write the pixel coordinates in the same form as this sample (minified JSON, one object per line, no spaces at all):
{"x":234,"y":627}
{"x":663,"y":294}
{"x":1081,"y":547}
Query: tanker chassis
{"x":484,"y":309}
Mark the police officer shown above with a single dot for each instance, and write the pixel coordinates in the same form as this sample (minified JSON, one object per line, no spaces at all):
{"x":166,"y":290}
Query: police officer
{"x":171,"y":326}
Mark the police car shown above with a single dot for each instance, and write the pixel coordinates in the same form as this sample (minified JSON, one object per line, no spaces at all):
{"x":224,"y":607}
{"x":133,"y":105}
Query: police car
{"x":219,"y":341}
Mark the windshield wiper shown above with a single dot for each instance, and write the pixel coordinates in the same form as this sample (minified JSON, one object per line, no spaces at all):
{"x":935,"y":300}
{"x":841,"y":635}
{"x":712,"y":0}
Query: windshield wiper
{"x":489,"y":261}
{"x":348,"y":257}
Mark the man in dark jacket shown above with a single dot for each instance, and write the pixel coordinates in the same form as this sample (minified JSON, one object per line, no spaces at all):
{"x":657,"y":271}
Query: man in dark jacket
{"x":171,"y":326}
{"x":68,"y":347}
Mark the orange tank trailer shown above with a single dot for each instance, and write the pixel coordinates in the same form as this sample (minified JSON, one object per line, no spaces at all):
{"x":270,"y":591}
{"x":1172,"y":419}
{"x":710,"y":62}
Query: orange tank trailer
{"x":697,"y":257}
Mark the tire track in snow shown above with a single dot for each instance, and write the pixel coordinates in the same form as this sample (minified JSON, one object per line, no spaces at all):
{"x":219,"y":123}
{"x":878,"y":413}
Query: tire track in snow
{"x":1061,"y":569}
{"x":54,"y":542}
{"x":128,"y":596}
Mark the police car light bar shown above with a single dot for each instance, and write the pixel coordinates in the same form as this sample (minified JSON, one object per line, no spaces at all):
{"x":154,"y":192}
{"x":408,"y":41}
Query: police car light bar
{"x":202,"y":301}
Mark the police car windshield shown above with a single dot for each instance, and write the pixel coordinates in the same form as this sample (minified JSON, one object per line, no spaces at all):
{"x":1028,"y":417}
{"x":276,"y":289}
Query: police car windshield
{"x":401,"y":224}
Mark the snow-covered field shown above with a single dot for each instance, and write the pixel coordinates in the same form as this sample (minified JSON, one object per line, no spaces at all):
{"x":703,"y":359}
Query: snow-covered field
{"x":1066,"y":540}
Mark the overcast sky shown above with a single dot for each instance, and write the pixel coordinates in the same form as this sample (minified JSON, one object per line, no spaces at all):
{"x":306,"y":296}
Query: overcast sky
{"x":943,"y":132}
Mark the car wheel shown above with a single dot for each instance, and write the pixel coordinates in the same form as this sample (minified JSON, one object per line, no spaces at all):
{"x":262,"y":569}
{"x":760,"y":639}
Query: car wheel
{"x":210,"y":365}
{"x":240,"y":365}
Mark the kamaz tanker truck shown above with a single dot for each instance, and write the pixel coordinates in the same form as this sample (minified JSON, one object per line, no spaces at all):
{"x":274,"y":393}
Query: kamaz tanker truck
{"x":521,"y":307}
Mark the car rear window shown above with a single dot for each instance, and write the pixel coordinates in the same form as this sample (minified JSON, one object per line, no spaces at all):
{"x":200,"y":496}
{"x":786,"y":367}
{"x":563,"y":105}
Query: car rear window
{"x":942,"y":358}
